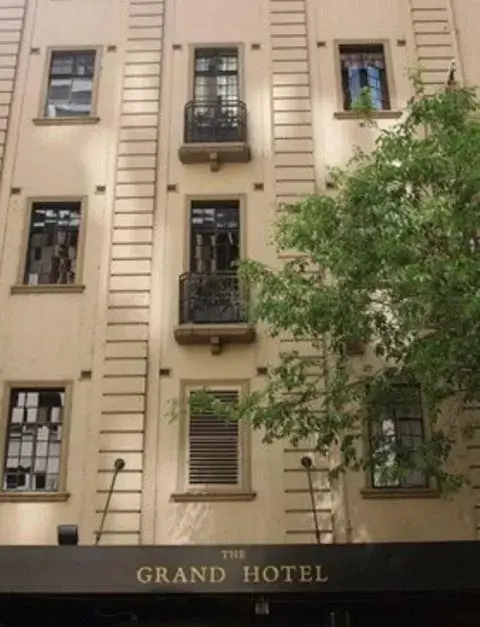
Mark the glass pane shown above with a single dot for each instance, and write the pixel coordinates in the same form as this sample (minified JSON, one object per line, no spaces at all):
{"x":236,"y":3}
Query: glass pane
{"x":416,"y":427}
{"x":388,"y":428}
{"x":363,"y":66}
{"x":52,"y":249}
{"x":29,"y":447}
{"x":383,"y":444}
{"x":70,"y":86}
{"x":59,"y":89}
{"x":403,"y":425}
{"x":13,"y":448}
{"x":82,"y":91}
{"x":49,"y":399}
{"x":228,"y":63}
{"x":85,"y":64}
{"x":39,"y":481}
{"x":51,"y":483}
{"x":202,"y":64}
{"x":32,"y":413}
{"x":381,"y":478}
{"x":40,"y":464}
{"x":31,"y":399}
{"x":55,"y":414}
{"x":54,"y":451}
{"x":415,"y":479}
{"x":62,"y":64}
{"x":53,"y":465}
{"x":42,"y":435}
{"x":17,"y":414}
{"x":216,"y":75}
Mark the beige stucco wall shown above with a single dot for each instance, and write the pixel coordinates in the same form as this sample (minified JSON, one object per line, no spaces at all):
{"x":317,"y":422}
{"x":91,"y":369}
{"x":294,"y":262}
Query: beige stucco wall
{"x":55,"y":336}
{"x":135,"y":250}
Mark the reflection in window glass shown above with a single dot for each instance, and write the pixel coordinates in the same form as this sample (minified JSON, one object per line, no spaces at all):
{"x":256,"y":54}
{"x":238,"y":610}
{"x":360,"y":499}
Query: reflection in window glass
{"x":215,"y":236}
{"x":216,"y":75}
{"x":364,"y":66}
{"x":33,"y":442}
{"x":397,"y":430}
{"x":53,"y":243}
{"x":70,"y":84}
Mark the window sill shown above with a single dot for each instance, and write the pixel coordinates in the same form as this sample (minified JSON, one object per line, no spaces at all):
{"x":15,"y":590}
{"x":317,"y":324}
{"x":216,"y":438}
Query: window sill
{"x":66,"y":121}
{"x":47,"y":289}
{"x":400,"y":493}
{"x":212,"y":497}
{"x":34,"y":497}
{"x":376,"y":115}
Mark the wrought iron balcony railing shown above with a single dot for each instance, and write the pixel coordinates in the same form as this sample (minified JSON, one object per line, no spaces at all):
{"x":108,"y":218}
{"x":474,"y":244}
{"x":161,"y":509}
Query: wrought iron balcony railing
{"x":212,"y":121}
{"x":212,"y":299}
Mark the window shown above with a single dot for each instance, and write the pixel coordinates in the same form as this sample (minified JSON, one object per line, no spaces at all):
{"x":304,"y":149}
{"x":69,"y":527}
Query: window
{"x":34,"y":439}
{"x":211,"y":293}
{"x":396,"y":430}
{"x":52,"y":249}
{"x":362,"y":66}
{"x":70,"y":84}
{"x":214,"y":236}
{"x":216,"y":74}
{"x":215,"y":114}
{"x":214,"y":447}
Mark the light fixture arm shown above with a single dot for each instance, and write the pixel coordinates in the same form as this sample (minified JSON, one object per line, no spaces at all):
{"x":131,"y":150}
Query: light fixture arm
{"x":307,"y":465}
{"x":118,"y":466}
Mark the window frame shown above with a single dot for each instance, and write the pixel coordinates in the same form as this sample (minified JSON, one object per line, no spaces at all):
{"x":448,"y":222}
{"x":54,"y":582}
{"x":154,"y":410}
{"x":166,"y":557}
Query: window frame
{"x":378,"y":113}
{"x":92,"y":117}
{"x":192,"y":48}
{"x":194,"y":232}
{"x":430,"y":489}
{"x":244,"y":442}
{"x":242,"y":213}
{"x":78,"y":285}
{"x":28,"y":495}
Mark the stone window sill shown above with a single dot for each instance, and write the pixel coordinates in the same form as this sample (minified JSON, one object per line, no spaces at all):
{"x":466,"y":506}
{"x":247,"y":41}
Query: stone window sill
{"x":400,"y":493}
{"x":212,"y":497}
{"x":47,"y":289}
{"x":34,"y":497}
{"x":66,"y":121}
{"x":376,"y":115}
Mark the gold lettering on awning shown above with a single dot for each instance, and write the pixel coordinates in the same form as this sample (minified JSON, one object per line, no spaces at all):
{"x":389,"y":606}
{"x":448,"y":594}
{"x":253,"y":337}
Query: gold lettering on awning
{"x":247,"y":573}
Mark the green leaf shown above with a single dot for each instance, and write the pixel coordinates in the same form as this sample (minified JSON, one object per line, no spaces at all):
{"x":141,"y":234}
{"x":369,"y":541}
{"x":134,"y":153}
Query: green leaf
{"x":388,"y":260}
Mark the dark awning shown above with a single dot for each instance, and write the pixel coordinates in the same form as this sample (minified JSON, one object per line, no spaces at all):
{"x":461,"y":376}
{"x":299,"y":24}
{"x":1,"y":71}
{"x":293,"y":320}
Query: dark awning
{"x":261,"y":569}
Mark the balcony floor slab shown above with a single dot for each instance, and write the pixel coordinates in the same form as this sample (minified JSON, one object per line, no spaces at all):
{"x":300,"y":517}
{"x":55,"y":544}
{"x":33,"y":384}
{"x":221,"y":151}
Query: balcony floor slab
{"x":214,"y":335}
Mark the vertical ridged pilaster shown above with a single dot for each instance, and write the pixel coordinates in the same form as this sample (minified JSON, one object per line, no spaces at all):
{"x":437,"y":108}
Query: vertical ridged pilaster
{"x":294,"y":179}
{"x":12,"y":14}
{"x":125,"y":367}
{"x":299,"y":519}
{"x":291,"y":101}
{"x":435,"y":40}
{"x":436,"y":46}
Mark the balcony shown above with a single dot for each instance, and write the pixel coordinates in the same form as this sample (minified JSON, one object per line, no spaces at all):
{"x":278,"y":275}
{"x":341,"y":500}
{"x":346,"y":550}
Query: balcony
{"x":213,"y":311}
{"x":215,"y":133}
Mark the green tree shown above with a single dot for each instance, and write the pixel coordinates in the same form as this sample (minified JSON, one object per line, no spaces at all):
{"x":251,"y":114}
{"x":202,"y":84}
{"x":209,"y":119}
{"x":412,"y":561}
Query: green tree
{"x":389,"y":261}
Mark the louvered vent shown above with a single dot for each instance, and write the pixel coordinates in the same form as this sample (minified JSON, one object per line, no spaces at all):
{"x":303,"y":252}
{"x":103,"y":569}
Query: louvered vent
{"x":213,"y":446}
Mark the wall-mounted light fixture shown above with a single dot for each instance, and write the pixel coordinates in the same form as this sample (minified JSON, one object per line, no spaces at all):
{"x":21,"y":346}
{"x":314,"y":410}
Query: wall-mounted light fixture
{"x":262,"y":607}
{"x":67,"y":535}
{"x":307,"y":464}
{"x":118,"y":466}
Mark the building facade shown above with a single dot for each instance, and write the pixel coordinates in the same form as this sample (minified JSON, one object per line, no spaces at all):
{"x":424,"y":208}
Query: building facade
{"x":145,"y":146}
